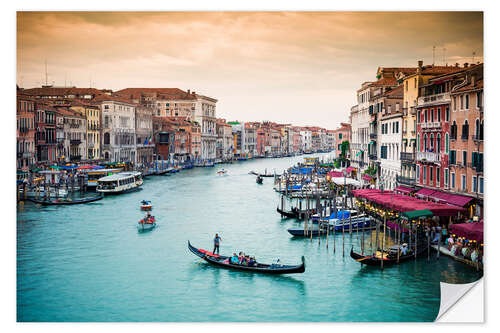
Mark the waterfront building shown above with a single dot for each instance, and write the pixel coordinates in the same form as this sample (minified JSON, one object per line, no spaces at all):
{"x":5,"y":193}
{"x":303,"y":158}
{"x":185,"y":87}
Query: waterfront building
{"x":75,"y":135}
{"x":306,"y":136}
{"x":467,"y":135}
{"x":250,"y":140}
{"x":411,"y":84}
{"x":118,"y":128}
{"x":297,"y":140}
{"x":360,"y":119}
{"x":342,"y":134}
{"x":50,"y":93}
{"x":25,"y":132}
{"x":224,"y":150}
{"x":205,"y":115}
{"x":45,"y":135}
{"x":144,"y":134}
{"x":163,"y":137}
{"x":389,"y":123}
{"x":330,"y":140}
{"x":93,"y":117}
{"x":275,"y":134}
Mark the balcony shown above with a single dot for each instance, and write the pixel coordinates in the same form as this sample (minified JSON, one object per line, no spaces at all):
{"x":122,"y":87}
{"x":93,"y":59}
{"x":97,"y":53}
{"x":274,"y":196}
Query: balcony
{"x":477,"y":138}
{"x":405,"y":180}
{"x":410,"y":157}
{"x":75,"y":142}
{"x":428,"y":157}
{"x":373,"y":135}
{"x":477,"y":167}
{"x":431,"y":125}
{"x":372,"y":157}
{"x":434,"y":99}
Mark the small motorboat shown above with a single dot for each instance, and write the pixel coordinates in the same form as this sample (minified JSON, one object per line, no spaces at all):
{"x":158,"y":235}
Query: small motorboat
{"x":224,"y":262}
{"x":146,"y":205}
{"x":147,"y":223}
{"x":259,"y":180}
{"x":222,"y":172}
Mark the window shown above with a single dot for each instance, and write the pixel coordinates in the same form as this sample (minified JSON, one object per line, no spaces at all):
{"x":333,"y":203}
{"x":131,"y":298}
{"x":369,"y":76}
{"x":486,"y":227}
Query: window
{"x":425,"y":142}
{"x":464,"y":157}
{"x":454,"y":130}
{"x":446,"y":143}
{"x":432,"y":141}
{"x":438,"y":114}
{"x":432,"y":115}
{"x":446,"y":175}
{"x":340,"y":136}
{"x":418,"y":142}
{"x":438,"y":143}
{"x":425,"y":115}
{"x":477,"y":129}
{"x":425,"y":172}
{"x":418,"y":117}
{"x":467,"y":102}
{"x":465,"y":130}
{"x":464,"y":182}
{"x":452,"y":180}
{"x":461,"y":102}
{"x":479,"y":101}
{"x":418,"y":171}
{"x":481,"y":185}
{"x":474,"y":184}
{"x":438,"y":176}
{"x":431,"y":173}
{"x":383,"y":152}
{"x":453,"y":157}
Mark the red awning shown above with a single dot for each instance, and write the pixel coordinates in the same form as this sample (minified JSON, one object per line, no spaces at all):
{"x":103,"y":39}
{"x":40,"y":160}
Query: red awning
{"x":449,"y":198}
{"x":404,"y":189}
{"x":471,"y":231}
{"x":367,"y":178}
{"x":424,"y":192}
{"x":335,"y":174}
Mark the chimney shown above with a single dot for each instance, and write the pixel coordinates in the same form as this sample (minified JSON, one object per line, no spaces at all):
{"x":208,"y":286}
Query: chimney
{"x":194,"y":93}
{"x":466,"y":65}
{"x":457,"y":65}
{"x":420,"y":63}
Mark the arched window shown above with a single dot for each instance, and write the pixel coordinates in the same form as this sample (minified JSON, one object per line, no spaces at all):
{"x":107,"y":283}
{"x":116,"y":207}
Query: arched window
{"x":454,"y":130}
{"x":106,"y":138}
{"x":418,"y":143}
{"x":446,"y":143}
{"x":481,"y":132}
{"x":431,"y":141}
{"x":477,"y":129}
{"x":432,"y":115}
{"x":438,"y":143}
{"x":425,"y":143}
{"x":465,"y":130}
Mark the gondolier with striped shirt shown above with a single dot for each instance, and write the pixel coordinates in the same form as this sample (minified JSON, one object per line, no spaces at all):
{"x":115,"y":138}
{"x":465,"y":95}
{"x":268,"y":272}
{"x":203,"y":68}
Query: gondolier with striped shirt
{"x":217,"y":240}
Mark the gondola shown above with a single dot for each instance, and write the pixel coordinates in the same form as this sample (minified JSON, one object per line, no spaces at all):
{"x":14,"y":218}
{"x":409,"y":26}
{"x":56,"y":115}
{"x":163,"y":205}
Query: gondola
{"x":292,"y":214}
{"x":223,"y":261}
{"x":66,"y":201}
{"x":259,"y":180}
{"x":390,"y":258}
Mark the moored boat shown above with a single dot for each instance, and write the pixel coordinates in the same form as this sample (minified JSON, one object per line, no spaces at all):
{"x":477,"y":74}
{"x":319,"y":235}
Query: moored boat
{"x":291,"y":214}
{"x":259,"y":180}
{"x":224,"y":262}
{"x":222,"y":172}
{"x":66,"y":201}
{"x":390,"y":256}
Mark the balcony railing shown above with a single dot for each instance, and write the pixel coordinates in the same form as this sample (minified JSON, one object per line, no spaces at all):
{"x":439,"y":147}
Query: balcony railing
{"x":477,"y":137}
{"x":428,"y":157}
{"x":405,"y":180}
{"x":75,"y":142}
{"x":407,"y":156}
{"x":372,"y":157}
{"x":476,"y":167}
{"x":373,"y":135}
{"x":431,"y":125}
{"x":434,"y":99}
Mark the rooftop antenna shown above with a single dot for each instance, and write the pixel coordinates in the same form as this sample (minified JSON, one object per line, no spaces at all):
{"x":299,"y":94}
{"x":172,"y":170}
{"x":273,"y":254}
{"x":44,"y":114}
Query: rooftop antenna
{"x":473,"y":56}
{"x":433,"y":54}
{"x":65,"y":80}
{"x":444,"y":55}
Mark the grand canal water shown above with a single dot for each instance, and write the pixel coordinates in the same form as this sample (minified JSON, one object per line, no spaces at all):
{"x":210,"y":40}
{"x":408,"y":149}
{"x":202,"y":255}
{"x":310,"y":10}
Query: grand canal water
{"x":89,"y":263}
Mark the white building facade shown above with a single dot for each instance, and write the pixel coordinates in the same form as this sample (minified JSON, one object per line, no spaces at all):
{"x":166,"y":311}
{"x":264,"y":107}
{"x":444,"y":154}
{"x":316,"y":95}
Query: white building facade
{"x":390,"y":137}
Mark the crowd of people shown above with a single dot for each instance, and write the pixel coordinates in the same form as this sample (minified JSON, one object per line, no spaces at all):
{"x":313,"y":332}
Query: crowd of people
{"x":468,"y":249}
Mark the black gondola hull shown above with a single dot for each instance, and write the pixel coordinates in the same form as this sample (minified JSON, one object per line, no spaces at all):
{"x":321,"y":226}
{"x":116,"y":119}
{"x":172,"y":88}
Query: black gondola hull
{"x":372,"y":261}
{"x":260,"y":268}
{"x":60,"y":203}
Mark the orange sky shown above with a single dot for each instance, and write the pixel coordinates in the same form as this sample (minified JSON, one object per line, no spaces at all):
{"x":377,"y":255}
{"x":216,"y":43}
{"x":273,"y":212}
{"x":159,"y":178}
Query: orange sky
{"x":298,"y":67}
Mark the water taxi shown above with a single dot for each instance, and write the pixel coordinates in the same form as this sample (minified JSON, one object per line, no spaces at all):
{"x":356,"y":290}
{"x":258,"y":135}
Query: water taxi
{"x":93,"y":175}
{"x":120,"y":183}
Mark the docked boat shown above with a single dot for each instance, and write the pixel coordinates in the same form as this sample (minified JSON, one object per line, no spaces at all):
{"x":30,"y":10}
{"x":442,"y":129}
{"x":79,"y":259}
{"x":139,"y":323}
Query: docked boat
{"x":390,"y":256}
{"x":146,"y":224}
{"x":314,"y":229}
{"x":259,"y":180}
{"x":66,"y":201}
{"x":120,"y":183}
{"x":224,"y":262}
{"x":354,"y":223}
{"x":293,"y":214}
{"x":146,"y":205}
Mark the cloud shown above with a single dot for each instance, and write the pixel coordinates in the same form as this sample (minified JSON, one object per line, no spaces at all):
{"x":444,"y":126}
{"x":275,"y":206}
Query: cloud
{"x":294,"y":65}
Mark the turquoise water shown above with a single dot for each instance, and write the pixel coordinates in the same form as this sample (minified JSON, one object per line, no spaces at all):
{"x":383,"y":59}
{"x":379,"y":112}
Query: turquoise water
{"x":89,"y":263}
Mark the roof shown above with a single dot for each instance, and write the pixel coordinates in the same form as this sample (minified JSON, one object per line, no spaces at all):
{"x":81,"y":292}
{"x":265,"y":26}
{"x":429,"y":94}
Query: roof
{"x":478,"y":85}
{"x":113,"y":98}
{"x":61,"y":91}
{"x":69,"y":113}
{"x":159,"y":93}
{"x":395,"y":93}
{"x":120,"y":175}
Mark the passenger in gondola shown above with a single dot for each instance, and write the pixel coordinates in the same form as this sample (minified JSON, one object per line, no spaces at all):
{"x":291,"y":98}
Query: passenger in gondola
{"x":234,"y":259}
{"x":404,"y":249}
{"x":251,"y":262}
{"x":244,"y":261}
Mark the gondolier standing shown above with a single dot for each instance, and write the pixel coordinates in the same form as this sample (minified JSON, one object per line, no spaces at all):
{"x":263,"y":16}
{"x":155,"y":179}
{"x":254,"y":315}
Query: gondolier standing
{"x":217,"y":240}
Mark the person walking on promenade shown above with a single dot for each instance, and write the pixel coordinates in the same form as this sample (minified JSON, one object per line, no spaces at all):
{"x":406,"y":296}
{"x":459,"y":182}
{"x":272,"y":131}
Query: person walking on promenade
{"x":217,"y":240}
